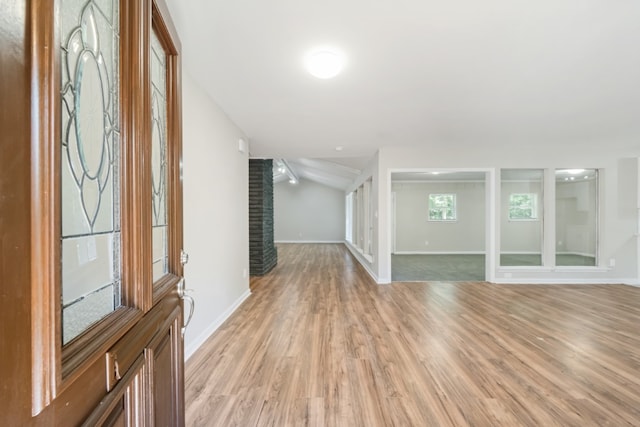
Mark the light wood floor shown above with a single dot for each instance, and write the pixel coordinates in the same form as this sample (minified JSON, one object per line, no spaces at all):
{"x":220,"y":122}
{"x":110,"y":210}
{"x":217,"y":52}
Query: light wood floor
{"x":318,"y":343}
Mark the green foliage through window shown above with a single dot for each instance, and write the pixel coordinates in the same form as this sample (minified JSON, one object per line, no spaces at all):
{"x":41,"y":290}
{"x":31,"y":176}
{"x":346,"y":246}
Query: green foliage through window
{"x":442,"y":207}
{"x":523,"y":206}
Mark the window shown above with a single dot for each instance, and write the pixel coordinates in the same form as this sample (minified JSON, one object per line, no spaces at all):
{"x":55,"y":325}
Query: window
{"x":442,"y":207}
{"x":523,"y":206}
{"x":367,"y":217}
{"x":349,"y":218}
{"x":576,"y":217}
{"x":521,"y":224}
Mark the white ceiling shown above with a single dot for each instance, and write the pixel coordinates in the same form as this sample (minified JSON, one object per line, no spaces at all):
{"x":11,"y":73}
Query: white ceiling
{"x":329,"y":173}
{"x":419,"y":72}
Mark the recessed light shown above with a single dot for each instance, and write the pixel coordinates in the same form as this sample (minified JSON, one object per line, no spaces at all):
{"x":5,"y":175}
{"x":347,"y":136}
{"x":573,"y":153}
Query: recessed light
{"x":339,"y":148}
{"x":325,"y":63}
{"x":435,"y":173}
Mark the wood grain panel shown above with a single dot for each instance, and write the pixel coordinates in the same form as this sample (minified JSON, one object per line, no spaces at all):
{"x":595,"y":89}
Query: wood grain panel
{"x":318,"y":343}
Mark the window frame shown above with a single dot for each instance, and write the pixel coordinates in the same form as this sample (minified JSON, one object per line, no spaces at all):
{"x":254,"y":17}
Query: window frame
{"x":534,"y":207}
{"x":454,"y":208}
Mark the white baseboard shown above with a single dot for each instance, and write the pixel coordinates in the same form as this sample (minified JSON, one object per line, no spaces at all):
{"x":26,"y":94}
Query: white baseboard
{"x":361,"y":258}
{"x":200,"y":339}
{"x":520,"y":253}
{"x":632,"y":282}
{"x":309,"y":241}
{"x":556,"y":281}
{"x":439,"y":253}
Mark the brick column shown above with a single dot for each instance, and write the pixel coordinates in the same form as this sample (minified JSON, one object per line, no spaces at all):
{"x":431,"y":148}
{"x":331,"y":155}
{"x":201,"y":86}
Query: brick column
{"x":263,"y":255}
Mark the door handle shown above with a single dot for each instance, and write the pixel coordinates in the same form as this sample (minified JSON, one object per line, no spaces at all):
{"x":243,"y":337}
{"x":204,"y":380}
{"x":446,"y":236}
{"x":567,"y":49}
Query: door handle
{"x":183,"y":293}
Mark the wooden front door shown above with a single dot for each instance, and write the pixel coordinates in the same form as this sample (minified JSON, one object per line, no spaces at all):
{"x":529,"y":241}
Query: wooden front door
{"x":91,"y":225}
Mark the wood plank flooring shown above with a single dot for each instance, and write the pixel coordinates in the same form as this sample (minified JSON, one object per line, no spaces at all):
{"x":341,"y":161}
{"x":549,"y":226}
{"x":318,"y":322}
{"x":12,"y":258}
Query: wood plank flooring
{"x":318,"y":343}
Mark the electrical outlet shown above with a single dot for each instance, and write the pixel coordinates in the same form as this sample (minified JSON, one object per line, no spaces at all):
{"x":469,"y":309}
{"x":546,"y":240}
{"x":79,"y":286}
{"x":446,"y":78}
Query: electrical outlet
{"x":612,"y":262}
{"x":426,"y":243}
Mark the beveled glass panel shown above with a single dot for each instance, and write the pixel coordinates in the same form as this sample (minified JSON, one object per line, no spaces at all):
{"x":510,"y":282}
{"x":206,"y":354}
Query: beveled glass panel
{"x":85,"y":311}
{"x":576,"y":217}
{"x":159,"y":158}
{"x":521,"y":225}
{"x":90,"y":163}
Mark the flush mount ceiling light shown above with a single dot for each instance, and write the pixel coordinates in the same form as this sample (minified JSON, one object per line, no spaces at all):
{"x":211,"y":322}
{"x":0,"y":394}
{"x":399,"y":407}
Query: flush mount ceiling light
{"x":325,"y":63}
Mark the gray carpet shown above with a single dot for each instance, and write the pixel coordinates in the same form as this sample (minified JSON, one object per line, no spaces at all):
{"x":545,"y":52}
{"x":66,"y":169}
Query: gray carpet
{"x":457,"y":268}
{"x":510,"y":260}
{"x":569,"y":260}
{"x":454,"y":268}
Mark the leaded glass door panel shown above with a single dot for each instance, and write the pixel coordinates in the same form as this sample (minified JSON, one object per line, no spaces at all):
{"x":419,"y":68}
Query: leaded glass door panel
{"x":90,"y":163}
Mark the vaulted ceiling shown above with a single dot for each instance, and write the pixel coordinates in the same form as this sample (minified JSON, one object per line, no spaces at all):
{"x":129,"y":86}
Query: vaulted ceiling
{"x":419,"y":72}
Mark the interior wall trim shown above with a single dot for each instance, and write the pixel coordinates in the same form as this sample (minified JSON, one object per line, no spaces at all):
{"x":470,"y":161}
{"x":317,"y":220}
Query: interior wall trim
{"x":439,"y":253}
{"x":359,"y":256}
{"x":565,"y":281}
{"x":309,"y":241}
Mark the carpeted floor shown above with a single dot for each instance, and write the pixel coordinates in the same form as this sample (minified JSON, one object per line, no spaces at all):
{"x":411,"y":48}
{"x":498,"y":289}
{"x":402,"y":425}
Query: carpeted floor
{"x":457,"y":268}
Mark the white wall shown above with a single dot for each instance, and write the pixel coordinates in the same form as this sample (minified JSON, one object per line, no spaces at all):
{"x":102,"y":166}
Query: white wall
{"x":416,"y":234}
{"x":216,"y":208}
{"x":216,"y":230}
{"x":308,"y":212}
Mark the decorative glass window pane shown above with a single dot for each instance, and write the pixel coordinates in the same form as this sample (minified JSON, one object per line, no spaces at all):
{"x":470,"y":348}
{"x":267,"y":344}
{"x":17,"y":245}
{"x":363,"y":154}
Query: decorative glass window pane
{"x":523,"y":206}
{"x":90,"y":163}
{"x":159,"y":158}
{"x":442,"y":207}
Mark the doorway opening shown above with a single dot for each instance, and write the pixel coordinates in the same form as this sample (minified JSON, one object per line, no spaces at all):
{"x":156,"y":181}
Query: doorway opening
{"x":439,"y":225}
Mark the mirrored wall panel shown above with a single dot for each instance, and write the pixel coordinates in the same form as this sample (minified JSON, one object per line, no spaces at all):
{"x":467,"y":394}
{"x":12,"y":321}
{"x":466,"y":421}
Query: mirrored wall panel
{"x":576,"y":217}
{"x":90,"y":156}
{"x":521,"y":209}
{"x":159,"y":171}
